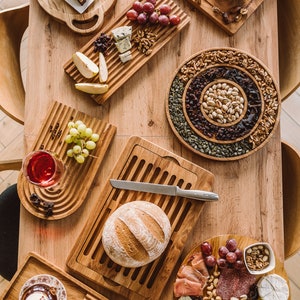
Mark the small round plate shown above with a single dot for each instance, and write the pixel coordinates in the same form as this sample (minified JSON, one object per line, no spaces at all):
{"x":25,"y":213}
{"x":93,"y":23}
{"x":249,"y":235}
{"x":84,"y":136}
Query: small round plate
{"x":223,"y":104}
{"x":43,"y":285}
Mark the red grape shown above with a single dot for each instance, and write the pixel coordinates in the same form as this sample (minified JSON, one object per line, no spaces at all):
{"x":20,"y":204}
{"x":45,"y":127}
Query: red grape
{"x":153,"y":19}
{"x":206,"y":248}
{"x":239,"y":264}
{"x":152,"y":1}
{"x":210,"y":261}
{"x":163,"y":20}
{"x":222,"y":263}
{"x":138,"y":6}
{"x":231,"y":257}
{"x":239,"y":253}
{"x":165,"y":9}
{"x":174,"y":20}
{"x":231,"y":245}
{"x":132,"y":15}
{"x":223,"y":251}
{"x":142,"y":18}
{"x":148,"y":7}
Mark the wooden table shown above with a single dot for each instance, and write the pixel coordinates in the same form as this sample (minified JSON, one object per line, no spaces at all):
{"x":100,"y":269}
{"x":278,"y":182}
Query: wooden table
{"x":250,"y":189}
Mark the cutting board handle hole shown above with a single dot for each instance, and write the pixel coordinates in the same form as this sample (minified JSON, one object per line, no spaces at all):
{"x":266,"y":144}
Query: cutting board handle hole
{"x":87,"y":23}
{"x":173,"y":159}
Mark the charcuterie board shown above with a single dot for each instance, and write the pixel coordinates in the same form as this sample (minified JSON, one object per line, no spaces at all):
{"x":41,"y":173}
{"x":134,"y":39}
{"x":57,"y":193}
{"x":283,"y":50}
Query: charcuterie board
{"x":35,"y":265}
{"x":73,"y":188}
{"x":214,"y":9}
{"x":242,"y":242}
{"x":87,"y":22}
{"x":146,"y":162}
{"x":120,"y":72}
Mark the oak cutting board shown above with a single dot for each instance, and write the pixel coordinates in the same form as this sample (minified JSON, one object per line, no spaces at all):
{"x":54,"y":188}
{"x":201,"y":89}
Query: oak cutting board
{"x":36,"y":265}
{"x":74,"y":186}
{"x":146,"y":162}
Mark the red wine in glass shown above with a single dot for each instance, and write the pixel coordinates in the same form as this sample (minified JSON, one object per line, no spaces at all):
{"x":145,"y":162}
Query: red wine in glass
{"x":43,"y":168}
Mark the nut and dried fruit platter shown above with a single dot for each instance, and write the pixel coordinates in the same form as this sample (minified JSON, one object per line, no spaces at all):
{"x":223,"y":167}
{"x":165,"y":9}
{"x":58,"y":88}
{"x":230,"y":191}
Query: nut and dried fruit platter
{"x":120,"y":72}
{"x":211,"y":285}
{"x":223,"y":104}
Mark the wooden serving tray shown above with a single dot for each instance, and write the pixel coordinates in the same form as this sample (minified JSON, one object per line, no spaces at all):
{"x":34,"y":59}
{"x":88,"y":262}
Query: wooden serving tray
{"x":86,"y":23}
{"x":120,"y":72}
{"x":35,"y":265}
{"x":242,"y":242}
{"x":231,"y":28}
{"x":146,"y":162}
{"x":72,"y":190}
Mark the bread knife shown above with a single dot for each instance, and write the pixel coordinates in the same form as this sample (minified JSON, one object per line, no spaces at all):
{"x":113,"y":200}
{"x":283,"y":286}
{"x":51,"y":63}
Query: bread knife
{"x":171,"y":190}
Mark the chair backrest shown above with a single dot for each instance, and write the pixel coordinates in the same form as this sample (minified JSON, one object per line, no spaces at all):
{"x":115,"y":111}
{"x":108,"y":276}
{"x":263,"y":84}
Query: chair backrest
{"x":289,"y":46}
{"x":13,"y":23}
{"x":291,"y":198}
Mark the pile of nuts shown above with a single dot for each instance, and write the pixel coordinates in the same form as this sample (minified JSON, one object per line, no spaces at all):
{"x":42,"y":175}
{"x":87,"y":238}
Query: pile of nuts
{"x":211,"y":288}
{"x":223,"y":103}
{"x":258,"y":257}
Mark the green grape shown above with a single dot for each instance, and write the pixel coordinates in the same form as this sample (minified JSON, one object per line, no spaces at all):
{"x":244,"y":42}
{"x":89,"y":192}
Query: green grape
{"x":95,"y":137}
{"x":90,"y":145}
{"x":73,"y":132}
{"x":80,"y":158}
{"x":88,"y":132}
{"x":76,"y":149}
{"x":81,"y":128}
{"x":85,"y":152}
{"x":78,"y":122}
{"x":69,"y":139}
{"x":70,"y":153}
{"x":71,"y":124}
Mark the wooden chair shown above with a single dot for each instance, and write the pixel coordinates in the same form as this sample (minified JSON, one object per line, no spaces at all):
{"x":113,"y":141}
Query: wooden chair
{"x":291,"y":198}
{"x":289,"y":46}
{"x":13,"y":23}
{"x":13,"y":164}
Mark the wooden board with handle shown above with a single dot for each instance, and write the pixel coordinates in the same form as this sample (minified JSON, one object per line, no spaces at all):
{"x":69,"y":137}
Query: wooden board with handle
{"x":146,"y":162}
{"x":35,"y":265}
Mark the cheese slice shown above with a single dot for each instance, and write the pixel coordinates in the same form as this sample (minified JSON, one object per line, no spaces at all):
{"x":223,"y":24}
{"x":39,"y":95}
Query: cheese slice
{"x":126,"y":56}
{"x":273,"y":287}
{"x":122,"y":32}
{"x":123,"y":45}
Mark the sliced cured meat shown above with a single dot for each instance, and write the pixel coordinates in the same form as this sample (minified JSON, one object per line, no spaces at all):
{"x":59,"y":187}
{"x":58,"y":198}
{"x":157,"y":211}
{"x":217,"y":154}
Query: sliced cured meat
{"x":234,"y":283}
{"x":185,"y":287}
{"x":192,"y":274}
{"x":197,"y":262}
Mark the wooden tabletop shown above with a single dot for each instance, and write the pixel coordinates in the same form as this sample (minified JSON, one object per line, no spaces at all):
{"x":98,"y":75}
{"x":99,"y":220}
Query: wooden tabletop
{"x":249,"y":189}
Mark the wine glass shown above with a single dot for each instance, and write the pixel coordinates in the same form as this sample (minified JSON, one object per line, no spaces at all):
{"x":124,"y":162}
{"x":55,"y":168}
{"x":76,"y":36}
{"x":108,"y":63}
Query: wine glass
{"x":43,"y":168}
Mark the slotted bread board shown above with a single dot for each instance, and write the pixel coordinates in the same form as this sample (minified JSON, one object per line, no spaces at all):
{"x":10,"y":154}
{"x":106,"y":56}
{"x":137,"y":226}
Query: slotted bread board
{"x":206,"y":7}
{"x":120,"y":72}
{"x":87,"y":22}
{"x":36,"y":265}
{"x":146,"y":162}
{"x":73,"y":188}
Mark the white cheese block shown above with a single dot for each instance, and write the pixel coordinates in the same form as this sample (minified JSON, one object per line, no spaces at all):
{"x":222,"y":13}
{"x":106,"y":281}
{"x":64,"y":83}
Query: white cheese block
{"x":123,"y":45}
{"x":273,"y":287}
{"x":122,"y":32}
{"x":126,"y":56}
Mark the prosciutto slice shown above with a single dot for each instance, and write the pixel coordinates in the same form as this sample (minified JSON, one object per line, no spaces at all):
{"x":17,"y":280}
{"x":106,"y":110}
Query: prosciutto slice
{"x":192,"y":274}
{"x":185,"y":287}
{"x":197,"y":262}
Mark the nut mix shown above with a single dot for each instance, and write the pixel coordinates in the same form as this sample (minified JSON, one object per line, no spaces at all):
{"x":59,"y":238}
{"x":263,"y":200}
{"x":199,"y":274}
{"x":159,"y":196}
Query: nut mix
{"x":258,"y":257}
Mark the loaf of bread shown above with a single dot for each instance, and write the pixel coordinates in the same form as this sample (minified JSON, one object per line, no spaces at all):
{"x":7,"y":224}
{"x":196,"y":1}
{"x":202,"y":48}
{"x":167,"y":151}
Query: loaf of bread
{"x":136,"y":233}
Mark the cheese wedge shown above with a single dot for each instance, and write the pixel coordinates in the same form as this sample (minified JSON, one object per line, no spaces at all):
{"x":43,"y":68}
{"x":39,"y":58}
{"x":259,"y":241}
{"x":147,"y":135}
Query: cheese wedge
{"x":273,"y":287}
{"x":103,"y":71}
{"x":85,"y":66}
{"x":122,"y":32}
{"x":92,"y":88}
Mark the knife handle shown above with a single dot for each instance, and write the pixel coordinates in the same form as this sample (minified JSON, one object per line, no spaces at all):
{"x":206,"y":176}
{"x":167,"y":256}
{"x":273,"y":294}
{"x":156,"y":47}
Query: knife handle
{"x":197,"y":194}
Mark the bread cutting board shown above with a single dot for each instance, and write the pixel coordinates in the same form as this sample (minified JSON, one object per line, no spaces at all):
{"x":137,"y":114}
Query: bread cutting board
{"x":87,"y":22}
{"x":73,"y":188}
{"x":146,"y":162}
{"x":36,"y":265}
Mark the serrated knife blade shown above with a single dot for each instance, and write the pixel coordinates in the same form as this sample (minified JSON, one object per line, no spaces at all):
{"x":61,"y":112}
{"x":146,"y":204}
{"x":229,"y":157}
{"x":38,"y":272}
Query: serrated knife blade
{"x":164,"y":189}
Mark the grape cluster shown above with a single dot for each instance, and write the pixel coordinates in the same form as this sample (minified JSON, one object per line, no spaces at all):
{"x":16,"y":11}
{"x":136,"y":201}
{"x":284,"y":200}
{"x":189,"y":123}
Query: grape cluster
{"x":229,"y":255}
{"x":102,"y":43}
{"x":147,"y":13}
{"x":83,"y":140}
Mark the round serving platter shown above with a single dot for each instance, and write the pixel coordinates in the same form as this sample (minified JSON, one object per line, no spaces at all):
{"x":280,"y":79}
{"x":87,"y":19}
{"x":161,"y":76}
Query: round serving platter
{"x":223,"y":104}
{"x":242,"y":242}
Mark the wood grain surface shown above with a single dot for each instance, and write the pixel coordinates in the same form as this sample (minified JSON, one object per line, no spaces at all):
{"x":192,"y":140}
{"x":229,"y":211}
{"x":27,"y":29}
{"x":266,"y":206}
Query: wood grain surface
{"x":250,"y":189}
